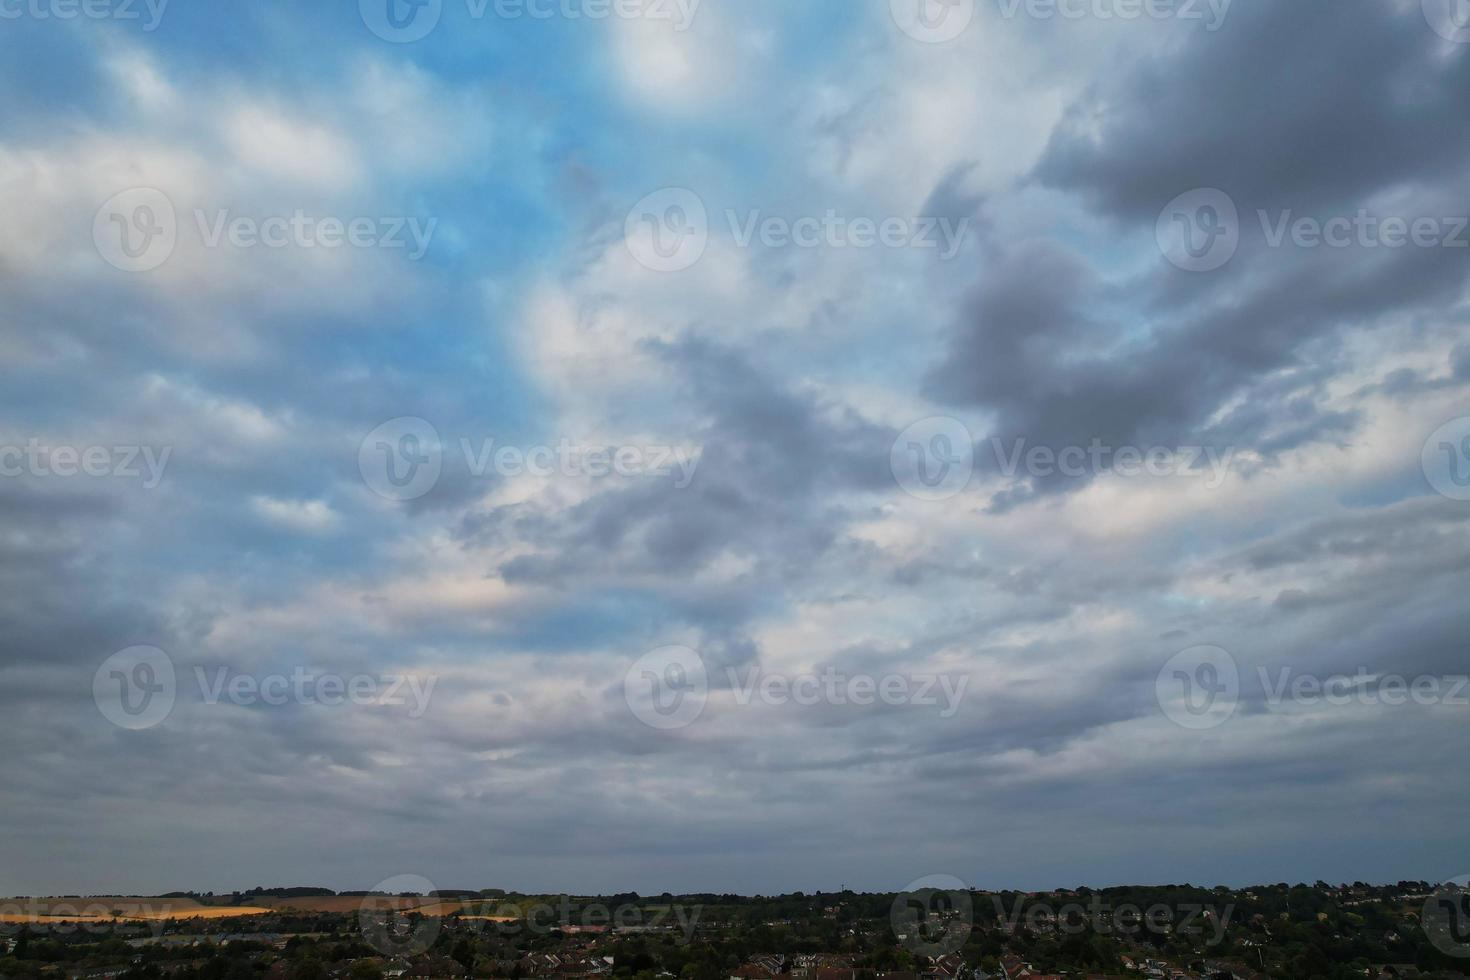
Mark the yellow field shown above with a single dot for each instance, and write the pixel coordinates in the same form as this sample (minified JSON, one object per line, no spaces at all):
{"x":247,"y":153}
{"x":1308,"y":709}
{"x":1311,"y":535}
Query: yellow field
{"x":439,"y":908}
{"x":135,"y":908}
{"x":206,"y":912}
{"x":113,"y":907}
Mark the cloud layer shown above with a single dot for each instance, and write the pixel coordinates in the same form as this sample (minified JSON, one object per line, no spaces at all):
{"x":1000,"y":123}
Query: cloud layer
{"x":1298,"y":513}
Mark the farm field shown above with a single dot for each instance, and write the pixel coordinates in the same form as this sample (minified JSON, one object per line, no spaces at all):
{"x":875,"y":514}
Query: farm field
{"x":106,"y":908}
{"x":351,"y":903}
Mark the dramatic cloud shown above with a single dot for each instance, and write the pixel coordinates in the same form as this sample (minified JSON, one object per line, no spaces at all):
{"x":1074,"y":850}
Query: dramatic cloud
{"x":490,"y":374}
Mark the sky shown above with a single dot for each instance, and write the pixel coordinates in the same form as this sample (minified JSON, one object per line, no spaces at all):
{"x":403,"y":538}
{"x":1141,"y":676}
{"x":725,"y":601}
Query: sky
{"x":736,"y":446}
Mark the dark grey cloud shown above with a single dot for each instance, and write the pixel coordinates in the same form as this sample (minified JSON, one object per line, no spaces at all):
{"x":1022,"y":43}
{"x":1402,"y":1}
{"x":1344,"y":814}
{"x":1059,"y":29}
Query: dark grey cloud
{"x":772,"y":464}
{"x":1032,"y":346}
{"x":63,"y":599}
{"x":1063,"y":356}
{"x":955,"y":198}
{"x":1303,"y":105}
{"x":1461,"y":362}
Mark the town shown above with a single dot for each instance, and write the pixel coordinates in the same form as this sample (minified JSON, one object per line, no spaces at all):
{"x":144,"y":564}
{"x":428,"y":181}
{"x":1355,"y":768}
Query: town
{"x":1145,"y":933}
